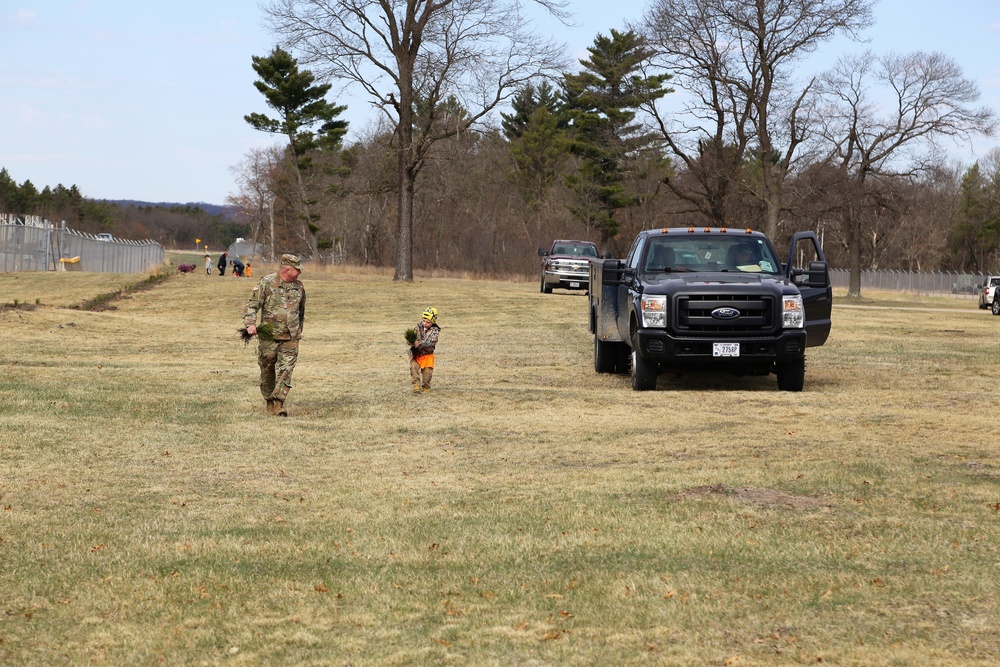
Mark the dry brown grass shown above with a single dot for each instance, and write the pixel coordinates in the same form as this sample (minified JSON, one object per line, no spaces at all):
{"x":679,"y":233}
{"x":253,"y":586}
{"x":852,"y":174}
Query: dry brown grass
{"x":526,"y":511}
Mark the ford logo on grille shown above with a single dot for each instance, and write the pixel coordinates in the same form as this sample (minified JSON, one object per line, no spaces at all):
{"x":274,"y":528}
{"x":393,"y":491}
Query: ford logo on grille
{"x":725,"y":313}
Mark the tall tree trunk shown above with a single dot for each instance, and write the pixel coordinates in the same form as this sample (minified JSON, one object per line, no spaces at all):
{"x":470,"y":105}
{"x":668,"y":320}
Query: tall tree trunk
{"x":270,"y":222}
{"x":408,"y":166}
{"x":853,"y":252}
{"x":773,"y":207}
{"x":307,"y":234}
{"x":404,"y":246}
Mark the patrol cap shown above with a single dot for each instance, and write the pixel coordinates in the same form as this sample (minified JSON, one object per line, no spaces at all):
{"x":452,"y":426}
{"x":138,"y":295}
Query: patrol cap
{"x":292,"y":260}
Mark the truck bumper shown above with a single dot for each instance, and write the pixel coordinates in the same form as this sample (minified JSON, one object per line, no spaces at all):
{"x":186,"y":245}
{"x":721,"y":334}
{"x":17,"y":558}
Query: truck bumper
{"x":567,"y":280}
{"x":756,"y":352}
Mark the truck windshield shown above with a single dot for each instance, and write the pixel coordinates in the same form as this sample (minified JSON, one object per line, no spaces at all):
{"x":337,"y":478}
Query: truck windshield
{"x":581,"y":249}
{"x":710,"y":253}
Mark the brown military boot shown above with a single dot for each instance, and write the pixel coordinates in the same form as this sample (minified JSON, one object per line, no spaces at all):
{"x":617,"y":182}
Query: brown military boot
{"x":279,"y":408}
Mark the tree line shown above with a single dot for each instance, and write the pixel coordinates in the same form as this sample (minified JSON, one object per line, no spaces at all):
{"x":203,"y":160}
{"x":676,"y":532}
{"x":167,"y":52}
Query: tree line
{"x":694,"y":115}
{"x":170,"y":225}
{"x":485,"y":144}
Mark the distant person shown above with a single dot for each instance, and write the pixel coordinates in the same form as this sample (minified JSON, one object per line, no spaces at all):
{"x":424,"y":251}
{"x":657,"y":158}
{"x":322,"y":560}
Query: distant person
{"x":223,"y":260}
{"x":422,"y":351}
{"x":278,"y":300}
{"x":208,"y":265}
{"x":249,"y":273}
{"x":237,"y":268}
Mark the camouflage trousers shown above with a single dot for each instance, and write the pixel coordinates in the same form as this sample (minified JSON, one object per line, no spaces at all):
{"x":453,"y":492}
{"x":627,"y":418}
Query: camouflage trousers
{"x":276,"y":359}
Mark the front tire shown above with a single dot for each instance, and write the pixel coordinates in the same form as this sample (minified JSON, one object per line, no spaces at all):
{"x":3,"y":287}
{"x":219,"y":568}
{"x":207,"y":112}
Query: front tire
{"x":996,"y":307}
{"x":643,"y":371}
{"x":544,"y":288}
{"x":791,"y":375}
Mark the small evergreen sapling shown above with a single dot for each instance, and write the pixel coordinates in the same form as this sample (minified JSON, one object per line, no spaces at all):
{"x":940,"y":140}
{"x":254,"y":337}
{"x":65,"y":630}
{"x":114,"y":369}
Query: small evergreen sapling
{"x":264,"y":332}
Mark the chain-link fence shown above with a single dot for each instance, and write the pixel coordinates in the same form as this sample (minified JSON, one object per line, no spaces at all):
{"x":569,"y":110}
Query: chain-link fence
{"x":248,"y":249}
{"x":45,"y":247}
{"x":943,"y":283}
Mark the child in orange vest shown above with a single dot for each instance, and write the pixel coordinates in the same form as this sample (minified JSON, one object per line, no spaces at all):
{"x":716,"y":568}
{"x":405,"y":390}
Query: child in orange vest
{"x":422,"y":351}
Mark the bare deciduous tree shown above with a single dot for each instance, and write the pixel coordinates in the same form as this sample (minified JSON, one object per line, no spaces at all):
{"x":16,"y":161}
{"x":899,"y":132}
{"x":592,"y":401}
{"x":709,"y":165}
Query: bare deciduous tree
{"x":405,"y":53}
{"x":734,"y":60}
{"x":255,"y":196}
{"x":879,"y":112}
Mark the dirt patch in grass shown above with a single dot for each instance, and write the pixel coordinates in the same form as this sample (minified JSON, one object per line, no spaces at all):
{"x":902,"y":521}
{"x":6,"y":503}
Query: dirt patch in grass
{"x":106,"y":301}
{"x":754,"y":496}
{"x":18,"y":306}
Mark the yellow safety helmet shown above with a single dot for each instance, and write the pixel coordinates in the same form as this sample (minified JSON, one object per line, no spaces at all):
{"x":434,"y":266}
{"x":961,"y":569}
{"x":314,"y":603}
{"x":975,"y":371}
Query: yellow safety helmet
{"x":430,"y":313}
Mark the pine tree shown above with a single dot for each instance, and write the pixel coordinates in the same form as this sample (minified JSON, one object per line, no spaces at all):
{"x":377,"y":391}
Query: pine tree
{"x":300,"y":105}
{"x":601,"y":103}
{"x":525,"y":103}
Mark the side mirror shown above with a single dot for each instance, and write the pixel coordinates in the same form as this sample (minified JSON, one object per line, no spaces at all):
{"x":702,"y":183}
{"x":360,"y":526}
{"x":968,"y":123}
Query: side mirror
{"x":818,"y":275}
{"x":542,"y":252}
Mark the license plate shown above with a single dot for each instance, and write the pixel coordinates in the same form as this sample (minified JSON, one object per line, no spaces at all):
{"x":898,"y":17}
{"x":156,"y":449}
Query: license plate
{"x":725,"y":349}
{"x":574,"y":284}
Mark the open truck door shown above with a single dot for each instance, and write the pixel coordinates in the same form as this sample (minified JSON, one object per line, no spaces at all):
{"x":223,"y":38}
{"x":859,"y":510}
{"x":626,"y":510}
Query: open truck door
{"x":808,"y":269}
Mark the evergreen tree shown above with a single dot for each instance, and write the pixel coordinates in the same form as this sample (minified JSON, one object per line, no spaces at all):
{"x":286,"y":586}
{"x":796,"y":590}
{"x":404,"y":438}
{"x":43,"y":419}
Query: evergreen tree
{"x":8,"y":192}
{"x":26,"y":199}
{"x":526,"y":101}
{"x":539,"y":153}
{"x":537,"y":145}
{"x":300,"y":105}
{"x":975,"y":232}
{"x":601,"y":102}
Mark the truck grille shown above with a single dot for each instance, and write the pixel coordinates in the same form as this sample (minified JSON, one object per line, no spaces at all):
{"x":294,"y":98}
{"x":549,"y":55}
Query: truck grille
{"x":693,"y":314}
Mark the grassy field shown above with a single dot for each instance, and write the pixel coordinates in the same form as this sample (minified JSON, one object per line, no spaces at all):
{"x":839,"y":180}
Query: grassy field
{"x":526,"y":511}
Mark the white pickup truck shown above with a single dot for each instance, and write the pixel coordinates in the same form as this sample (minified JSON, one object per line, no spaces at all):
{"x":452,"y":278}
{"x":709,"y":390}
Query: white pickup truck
{"x":987,"y":291}
{"x":566,"y":265}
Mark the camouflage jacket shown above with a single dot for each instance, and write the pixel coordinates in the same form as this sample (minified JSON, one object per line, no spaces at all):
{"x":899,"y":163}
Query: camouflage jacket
{"x":426,"y":339}
{"x":279,"y":303}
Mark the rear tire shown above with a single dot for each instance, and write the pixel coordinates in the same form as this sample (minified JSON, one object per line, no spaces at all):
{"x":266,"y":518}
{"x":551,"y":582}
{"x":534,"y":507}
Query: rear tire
{"x":643,"y":372}
{"x":791,"y":375}
{"x":996,"y":307}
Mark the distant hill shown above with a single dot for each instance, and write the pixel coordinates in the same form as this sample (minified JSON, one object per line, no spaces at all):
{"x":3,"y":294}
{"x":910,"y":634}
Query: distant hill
{"x":227,"y":212}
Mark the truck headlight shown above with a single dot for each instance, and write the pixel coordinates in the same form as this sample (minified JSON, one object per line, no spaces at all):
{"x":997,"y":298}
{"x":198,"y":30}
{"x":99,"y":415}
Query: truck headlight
{"x":792,"y":314}
{"x":654,"y":311}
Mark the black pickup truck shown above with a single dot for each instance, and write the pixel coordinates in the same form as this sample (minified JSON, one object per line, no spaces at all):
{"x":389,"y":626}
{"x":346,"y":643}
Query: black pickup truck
{"x":710,"y":299}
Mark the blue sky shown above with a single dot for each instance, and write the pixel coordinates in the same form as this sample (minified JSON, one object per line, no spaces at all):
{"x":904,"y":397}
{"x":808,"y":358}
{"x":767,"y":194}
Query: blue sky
{"x":135,"y":100}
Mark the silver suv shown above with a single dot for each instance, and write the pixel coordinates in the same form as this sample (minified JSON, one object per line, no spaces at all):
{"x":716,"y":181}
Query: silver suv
{"x":567,"y":265}
{"x":986,"y":291}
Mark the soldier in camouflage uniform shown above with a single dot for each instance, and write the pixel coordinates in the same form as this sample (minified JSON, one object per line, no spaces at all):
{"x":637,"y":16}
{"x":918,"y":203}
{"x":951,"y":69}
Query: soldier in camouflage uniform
{"x":280,"y":300}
